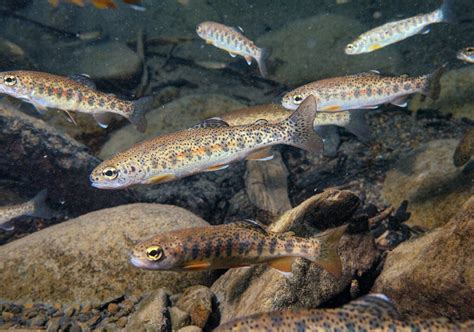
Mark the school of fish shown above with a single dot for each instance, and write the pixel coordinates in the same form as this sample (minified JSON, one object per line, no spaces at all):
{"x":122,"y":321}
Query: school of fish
{"x":306,"y":117}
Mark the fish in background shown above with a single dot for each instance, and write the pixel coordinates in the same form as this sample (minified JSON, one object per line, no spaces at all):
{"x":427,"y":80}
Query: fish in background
{"x":366,"y":90}
{"x":233,"y":41}
{"x":36,"y":207}
{"x":373,"y":312}
{"x":236,"y":244}
{"x":465,"y":148}
{"x":466,"y":54}
{"x":75,"y":93}
{"x":324,"y":122}
{"x":210,"y":146}
{"x":101,"y":4}
{"x":396,"y":31}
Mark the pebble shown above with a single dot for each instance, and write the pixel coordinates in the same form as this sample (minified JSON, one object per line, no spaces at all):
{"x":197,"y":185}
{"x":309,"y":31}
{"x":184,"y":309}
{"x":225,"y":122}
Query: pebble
{"x":53,"y":325}
{"x":75,"y":328}
{"x":28,"y":305}
{"x":7,"y":316}
{"x":87,"y":308}
{"x":39,"y":320}
{"x":113,"y":308}
{"x":93,"y":320}
{"x":69,"y":311}
{"x":122,"y":322}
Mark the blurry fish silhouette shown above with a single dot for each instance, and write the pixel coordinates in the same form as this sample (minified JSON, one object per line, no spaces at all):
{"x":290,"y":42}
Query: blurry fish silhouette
{"x":465,"y":149}
{"x":370,"y":313}
{"x":466,"y":54}
{"x":101,"y":4}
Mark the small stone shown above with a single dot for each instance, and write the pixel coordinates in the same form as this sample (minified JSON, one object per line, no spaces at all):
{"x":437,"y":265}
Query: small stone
{"x":190,"y":328}
{"x":57,"y":306}
{"x":28,"y":305}
{"x":151,"y":314}
{"x":122,"y":322}
{"x":7,"y":316}
{"x":53,"y":325}
{"x":69,"y":311}
{"x":87,"y":308}
{"x":197,"y":302}
{"x":82,"y":318}
{"x":179,"y":318}
{"x":38,"y":321}
{"x":93,"y":320}
{"x":75,"y":328}
{"x":113,"y":308}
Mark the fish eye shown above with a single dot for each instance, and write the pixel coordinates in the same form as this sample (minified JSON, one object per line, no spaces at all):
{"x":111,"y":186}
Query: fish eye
{"x":110,"y":173}
{"x":154,"y":253}
{"x":470,"y":49}
{"x":298,"y":99}
{"x":9,"y":80}
{"x":350,"y":46}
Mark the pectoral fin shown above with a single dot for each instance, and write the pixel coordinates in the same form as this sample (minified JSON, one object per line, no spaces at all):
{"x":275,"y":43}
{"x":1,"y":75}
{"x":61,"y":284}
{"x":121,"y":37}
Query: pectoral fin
{"x":248,"y":58}
{"x":160,"y":178}
{"x":71,"y":117}
{"x":282,"y":264}
{"x":103,"y":119}
{"x":216,"y":168}
{"x":262,"y":154}
{"x":40,"y":108}
{"x":400,"y":102}
{"x":232,"y":54}
{"x":332,"y":108}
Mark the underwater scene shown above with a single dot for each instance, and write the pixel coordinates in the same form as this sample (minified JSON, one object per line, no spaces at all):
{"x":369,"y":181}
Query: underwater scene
{"x":199,"y":165}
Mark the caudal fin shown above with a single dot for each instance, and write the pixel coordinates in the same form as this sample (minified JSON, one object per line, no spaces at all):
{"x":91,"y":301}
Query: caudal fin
{"x":433,"y":87}
{"x":140,"y":107}
{"x":328,"y":257}
{"x":41,"y":210}
{"x":299,"y":127}
{"x":262,"y":56}
{"x":447,"y":12}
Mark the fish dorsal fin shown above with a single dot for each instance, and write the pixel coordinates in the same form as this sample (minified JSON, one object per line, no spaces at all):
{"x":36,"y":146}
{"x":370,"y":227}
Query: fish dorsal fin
{"x":252,"y":224}
{"x":261,"y":122}
{"x":238,"y":29}
{"x":378,"y":305}
{"x":210,"y":123}
{"x":83,"y":79}
{"x":369,"y":73}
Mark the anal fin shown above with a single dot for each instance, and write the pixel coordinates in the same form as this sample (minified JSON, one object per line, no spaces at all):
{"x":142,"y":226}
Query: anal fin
{"x":197,"y":265}
{"x":161,"y":178}
{"x":262,"y":154}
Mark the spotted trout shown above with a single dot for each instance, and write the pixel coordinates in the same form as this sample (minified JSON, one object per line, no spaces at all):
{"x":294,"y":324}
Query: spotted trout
{"x":372,"y":312}
{"x":34,"y":208}
{"x":209,"y":146}
{"x":233,"y":41}
{"x":75,"y":93}
{"x":396,"y":31}
{"x":236,"y":244}
{"x":364,"y":91}
{"x":100,"y":4}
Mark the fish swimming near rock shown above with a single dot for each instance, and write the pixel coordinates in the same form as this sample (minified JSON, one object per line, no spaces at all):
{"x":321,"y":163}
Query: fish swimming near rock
{"x":36,"y":207}
{"x":101,"y":4}
{"x":374,"y":312}
{"x":72,"y":94}
{"x":365,"y":90}
{"x":233,"y":41}
{"x":393,"y":32}
{"x":465,"y":148}
{"x":211,"y":145}
{"x":466,"y":54}
{"x":236,"y":244}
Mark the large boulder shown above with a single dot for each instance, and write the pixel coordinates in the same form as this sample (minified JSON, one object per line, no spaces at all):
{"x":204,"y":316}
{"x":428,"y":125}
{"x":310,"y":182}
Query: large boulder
{"x":86,"y":259}
{"x":312,"y":48}
{"x":427,"y":178}
{"x":433,"y":275}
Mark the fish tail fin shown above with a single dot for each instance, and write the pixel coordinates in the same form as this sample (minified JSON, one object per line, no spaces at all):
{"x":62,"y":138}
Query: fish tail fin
{"x":358,"y":126}
{"x":432,"y":87}
{"x":140,"y":107}
{"x":41,"y":210}
{"x":328,"y":257}
{"x":447,"y":12}
{"x":299,"y":127}
{"x":104,"y":4}
{"x":261,"y":57}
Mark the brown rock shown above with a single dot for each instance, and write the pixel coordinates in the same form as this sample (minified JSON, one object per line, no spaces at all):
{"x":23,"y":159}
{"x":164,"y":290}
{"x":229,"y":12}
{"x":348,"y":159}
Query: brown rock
{"x":197,"y":302}
{"x":433,"y":275}
{"x":190,"y":328}
{"x":113,"y":308}
{"x":434,"y":187}
{"x":86,"y":259}
{"x":179,"y":318}
{"x":152,"y":313}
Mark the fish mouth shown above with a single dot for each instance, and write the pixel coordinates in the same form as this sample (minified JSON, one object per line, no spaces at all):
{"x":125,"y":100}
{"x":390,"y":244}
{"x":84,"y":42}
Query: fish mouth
{"x":139,"y":263}
{"x":100,"y":185}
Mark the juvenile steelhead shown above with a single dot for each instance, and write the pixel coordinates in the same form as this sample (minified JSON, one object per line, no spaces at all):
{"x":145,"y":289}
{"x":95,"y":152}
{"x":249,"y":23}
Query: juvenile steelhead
{"x":466,"y":54}
{"x":210,"y":146}
{"x":233,"y":41}
{"x":396,"y":31}
{"x":364,"y":91}
{"x":34,"y":208}
{"x":237,"y":244}
{"x":76,"y":93}
{"x":372,"y":312}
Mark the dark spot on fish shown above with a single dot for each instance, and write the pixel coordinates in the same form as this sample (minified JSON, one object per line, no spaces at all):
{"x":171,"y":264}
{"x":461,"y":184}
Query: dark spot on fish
{"x":101,"y":102}
{"x":418,"y":85}
{"x":41,"y":88}
{"x":300,"y":326}
{"x":396,"y":88}
{"x":273,"y":244}
{"x":260,"y":246}
{"x":357,"y":93}
{"x":79,"y":96}
{"x":289,"y":245}
{"x":185,"y":248}
{"x":407,"y":86}
{"x":276,"y":321}
{"x":350,"y":327}
{"x":91,"y":101}
{"x":208,"y":250}
{"x":217,"y":249}
{"x":242,"y":246}
{"x":379,"y":91}
{"x":195,"y":251}
{"x":59,"y":92}
{"x":392,"y":327}
{"x":132,"y":168}
{"x":228,"y":247}
{"x":113,"y":104}
{"x":50,"y":91}
{"x":374,"y":323}
{"x":369,"y":92}
{"x":69,"y":94}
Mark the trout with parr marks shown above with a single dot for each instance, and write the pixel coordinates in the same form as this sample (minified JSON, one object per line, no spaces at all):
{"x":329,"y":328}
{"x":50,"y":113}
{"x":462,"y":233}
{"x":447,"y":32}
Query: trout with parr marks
{"x":237,"y":244}
{"x":233,"y":41}
{"x":75,"y":93}
{"x":211,"y":145}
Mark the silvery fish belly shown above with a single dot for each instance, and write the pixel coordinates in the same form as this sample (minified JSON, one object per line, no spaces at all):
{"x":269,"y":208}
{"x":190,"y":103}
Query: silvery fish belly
{"x":466,"y":54}
{"x":364,"y":90}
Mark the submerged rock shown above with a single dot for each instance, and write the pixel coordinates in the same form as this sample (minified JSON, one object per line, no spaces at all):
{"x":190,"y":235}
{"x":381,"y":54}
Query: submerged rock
{"x":86,"y":259}
{"x":312,"y":48}
{"x":152,"y":313}
{"x":427,"y":178}
{"x":433,"y":275}
{"x":177,"y":115}
{"x":197,"y":302}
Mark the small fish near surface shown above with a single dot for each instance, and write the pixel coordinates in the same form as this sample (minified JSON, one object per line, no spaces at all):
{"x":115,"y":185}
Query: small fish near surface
{"x":466,"y":54}
{"x":465,"y":148}
{"x":72,"y":94}
{"x":211,"y":145}
{"x":233,"y":41}
{"x":36,"y":207}
{"x":374,"y":312}
{"x":236,"y":244}
{"x":396,"y":31}
{"x":100,"y":4}
{"x":366,"y":90}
